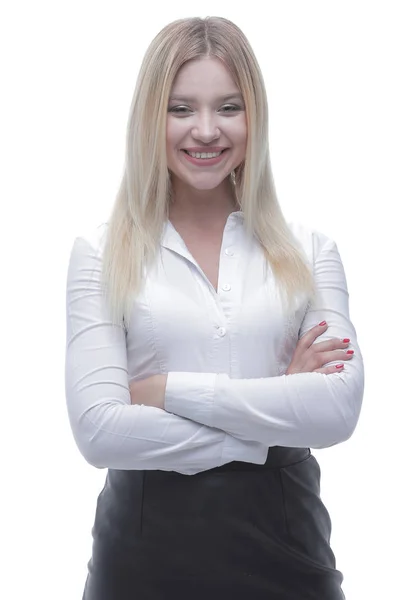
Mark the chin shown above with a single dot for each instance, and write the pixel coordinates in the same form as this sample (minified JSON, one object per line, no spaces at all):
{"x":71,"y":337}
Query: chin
{"x":205,"y":181}
{"x":200,"y":181}
{"x":206,"y":187}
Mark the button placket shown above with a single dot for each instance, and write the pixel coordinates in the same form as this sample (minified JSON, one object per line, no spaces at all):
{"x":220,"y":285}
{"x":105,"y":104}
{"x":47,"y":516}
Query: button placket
{"x":226,"y":287}
{"x":224,"y":301}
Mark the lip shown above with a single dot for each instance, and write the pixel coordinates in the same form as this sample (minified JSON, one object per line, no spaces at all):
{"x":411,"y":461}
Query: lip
{"x":204,"y":162}
{"x":206,"y":149}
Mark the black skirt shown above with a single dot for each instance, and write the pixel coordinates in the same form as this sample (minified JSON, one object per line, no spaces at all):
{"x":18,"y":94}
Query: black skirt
{"x":241,"y":531}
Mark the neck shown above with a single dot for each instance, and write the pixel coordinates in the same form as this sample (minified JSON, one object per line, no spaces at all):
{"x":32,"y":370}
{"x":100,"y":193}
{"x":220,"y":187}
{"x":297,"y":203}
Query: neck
{"x":202,"y":207}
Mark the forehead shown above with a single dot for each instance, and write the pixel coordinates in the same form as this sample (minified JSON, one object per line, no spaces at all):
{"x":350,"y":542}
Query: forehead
{"x":204,"y":75}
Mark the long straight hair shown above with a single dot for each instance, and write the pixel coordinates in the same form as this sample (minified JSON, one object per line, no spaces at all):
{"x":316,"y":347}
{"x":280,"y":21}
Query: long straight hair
{"x":142,"y":203}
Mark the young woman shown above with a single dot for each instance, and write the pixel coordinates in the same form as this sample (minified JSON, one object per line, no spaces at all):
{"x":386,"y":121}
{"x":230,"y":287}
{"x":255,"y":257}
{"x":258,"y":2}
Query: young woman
{"x":209,"y":347}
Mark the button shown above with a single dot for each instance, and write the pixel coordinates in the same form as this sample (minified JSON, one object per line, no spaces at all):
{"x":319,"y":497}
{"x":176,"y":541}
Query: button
{"x":229,"y":252}
{"x":221,"y":331}
{"x":226,"y":287}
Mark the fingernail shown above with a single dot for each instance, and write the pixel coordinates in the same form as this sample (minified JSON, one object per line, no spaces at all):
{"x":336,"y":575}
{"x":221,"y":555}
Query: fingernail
{"x":323,"y":323}
{"x":339,"y":366}
{"x":346,"y":340}
{"x":350,"y":352}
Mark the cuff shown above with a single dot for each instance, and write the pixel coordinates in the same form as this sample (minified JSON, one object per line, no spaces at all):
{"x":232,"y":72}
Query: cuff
{"x":244,"y":451}
{"x":191,"y":395}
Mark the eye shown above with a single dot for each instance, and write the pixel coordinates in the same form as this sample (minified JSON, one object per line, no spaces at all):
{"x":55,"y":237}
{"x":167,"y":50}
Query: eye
{"x":183,"y":109}
{"x":233,"y":107}
{"x":178,"y":109}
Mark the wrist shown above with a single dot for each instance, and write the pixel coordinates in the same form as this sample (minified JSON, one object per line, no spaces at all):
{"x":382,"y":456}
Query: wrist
{"x":162,"y":382}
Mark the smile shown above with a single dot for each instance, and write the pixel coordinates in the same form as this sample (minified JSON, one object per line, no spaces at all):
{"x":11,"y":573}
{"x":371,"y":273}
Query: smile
{"x":203,"y":154}
{"x":204,"y":158}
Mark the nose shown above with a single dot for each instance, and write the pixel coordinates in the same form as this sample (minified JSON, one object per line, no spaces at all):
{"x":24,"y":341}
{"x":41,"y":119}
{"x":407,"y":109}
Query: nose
{"x":205,"y":128}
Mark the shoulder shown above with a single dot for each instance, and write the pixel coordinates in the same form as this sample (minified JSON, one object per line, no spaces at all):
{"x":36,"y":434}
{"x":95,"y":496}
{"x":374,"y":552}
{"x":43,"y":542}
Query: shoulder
{"x":311,"y":241}
{"x":92,"y":237}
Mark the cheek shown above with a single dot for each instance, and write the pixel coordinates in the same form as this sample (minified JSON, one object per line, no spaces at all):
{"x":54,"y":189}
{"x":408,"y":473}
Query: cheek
{"x":171,"y":143}
{"x":174,"y":132}
{"x":170,"y":135}
{"x":239,"y":134}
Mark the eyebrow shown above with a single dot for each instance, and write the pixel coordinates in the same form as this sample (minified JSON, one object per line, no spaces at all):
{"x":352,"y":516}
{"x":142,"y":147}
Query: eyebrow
{"x":235,"y":95}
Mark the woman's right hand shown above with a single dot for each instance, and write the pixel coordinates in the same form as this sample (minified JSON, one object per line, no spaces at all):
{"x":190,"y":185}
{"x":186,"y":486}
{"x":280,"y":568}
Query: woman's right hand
{"x":310,"y":358}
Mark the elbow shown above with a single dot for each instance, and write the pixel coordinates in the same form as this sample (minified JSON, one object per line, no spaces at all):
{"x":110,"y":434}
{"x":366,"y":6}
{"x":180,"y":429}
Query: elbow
{"x":349,"y":430}
{"x":92,"y":452}
{"x":97,"y":461}
{"x":92,"y":443}
{"x":343,"y":432}
{"x":331,"y":437}
{"x":337,"y":430}
{"x":104,"y":446}
{"x":341,"y":419}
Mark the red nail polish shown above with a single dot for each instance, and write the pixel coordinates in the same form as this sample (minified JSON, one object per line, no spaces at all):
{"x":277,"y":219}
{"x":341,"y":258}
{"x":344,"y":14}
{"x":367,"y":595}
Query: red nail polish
{"x":350,"y":352}
{"x":339,"y":366}
{"x":346,"y":341}
{"x":323,"y":323}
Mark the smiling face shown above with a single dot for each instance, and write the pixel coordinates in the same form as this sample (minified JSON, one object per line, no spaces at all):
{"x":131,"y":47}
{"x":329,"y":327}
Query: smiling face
{"x":206,"y":113}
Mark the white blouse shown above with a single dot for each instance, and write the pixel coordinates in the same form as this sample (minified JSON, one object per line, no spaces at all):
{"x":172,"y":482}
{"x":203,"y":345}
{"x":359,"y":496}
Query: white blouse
{"x":225,"y":353}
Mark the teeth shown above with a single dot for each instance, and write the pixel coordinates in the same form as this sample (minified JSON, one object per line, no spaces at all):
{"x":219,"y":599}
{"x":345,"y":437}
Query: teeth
{"x":204,"y":154}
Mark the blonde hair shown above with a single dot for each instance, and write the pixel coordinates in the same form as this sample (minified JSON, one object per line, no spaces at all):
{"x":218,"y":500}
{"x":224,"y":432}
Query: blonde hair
{"x":142,"y":204}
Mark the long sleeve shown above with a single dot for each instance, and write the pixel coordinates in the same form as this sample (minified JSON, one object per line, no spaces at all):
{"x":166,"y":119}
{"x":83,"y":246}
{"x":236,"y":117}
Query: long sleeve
{"x":302,"y":410}
{"x":109,"y":431}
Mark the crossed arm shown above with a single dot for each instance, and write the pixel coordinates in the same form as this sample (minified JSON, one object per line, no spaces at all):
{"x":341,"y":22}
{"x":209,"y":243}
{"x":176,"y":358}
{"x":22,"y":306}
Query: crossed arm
{"x":109,"y":431}
{"x":207,"y":419}
{"x":307,"y":409}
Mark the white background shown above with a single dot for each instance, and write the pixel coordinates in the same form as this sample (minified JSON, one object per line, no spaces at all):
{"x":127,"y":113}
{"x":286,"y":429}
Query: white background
{"x":338,"y":76}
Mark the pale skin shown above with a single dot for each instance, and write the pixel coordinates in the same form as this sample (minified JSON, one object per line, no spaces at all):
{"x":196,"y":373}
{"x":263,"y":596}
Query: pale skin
{"x":198,"y":116}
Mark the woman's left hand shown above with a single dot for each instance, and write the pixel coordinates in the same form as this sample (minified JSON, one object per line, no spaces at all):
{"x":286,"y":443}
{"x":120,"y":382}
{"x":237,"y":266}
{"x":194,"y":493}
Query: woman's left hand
{"x":149,"y":391}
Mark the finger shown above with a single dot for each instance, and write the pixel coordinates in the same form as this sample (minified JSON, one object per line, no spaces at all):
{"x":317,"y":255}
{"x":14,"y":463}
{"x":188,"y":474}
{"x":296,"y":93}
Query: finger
{"x":333,"y":355}
{"x":329,"y":370}
{"x":319,"y":360}
{"x":333,"y":344}
{"x":310,"y":336}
